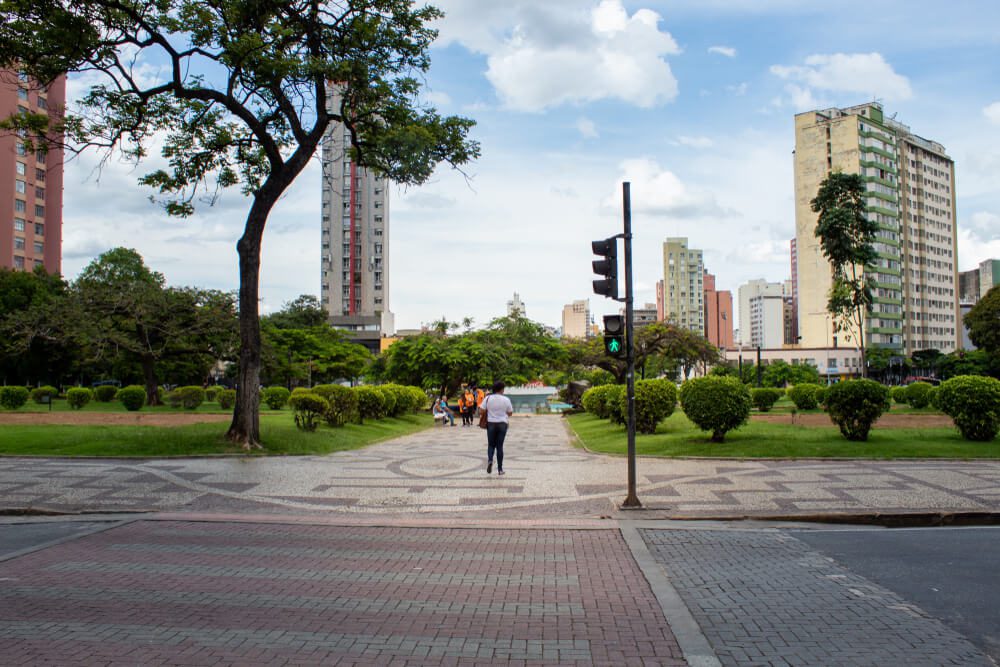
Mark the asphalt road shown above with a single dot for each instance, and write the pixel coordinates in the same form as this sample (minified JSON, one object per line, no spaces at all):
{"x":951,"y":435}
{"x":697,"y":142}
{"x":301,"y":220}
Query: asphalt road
{"x":951,"y":573}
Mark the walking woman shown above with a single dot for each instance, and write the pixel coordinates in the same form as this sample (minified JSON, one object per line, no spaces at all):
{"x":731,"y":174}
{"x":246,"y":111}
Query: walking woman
{"x":498,"y":411}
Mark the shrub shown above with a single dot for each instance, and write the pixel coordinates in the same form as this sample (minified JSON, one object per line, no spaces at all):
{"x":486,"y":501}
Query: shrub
{"x":804,"y":396}
{"x":226,"y":398}
{"x":188,"y":398}
{"x":615,"y":404}
{"x":14,"y":397}
{"x":854,"y":405}
{"x":38,"y":394}
{"x":133,"y":397}
{"x":899,"y":395}
{"x":655,"y":400}
{"x":371,"y":402}
{"x":388,"y":401}
{"x":821,"y":396}
{"x":764,"y":398}
{"x":716,"y":404}
{"x":276,"y":397}
{"x":932,"y":398}
{"x":342,"y":403}
{"x":403,"y":402}
{"x":595,"y":400}
{"x":973,"y":403}
{"x":77,"y":397}
{"x":419,"y":398}
{"x":212,"y":393}
{"x":918,"y":394}
{"x":105,"y":393}
{"x":309,"y":408}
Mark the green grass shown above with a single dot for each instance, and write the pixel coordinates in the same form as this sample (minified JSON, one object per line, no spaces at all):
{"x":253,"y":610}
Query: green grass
{"x":278,"y":433}
{"x":60,"y":405}
{"x":676,"y":436}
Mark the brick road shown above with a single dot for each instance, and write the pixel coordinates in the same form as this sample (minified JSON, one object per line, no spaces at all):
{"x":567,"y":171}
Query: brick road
{"x":187,"y":593}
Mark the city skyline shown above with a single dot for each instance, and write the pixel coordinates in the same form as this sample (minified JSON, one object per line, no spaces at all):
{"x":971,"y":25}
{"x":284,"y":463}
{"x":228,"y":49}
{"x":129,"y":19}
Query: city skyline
{"x":698,"y":116}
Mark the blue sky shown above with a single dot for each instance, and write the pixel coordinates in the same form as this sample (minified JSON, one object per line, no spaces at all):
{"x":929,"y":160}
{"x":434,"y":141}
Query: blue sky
{"x":692,"y":101}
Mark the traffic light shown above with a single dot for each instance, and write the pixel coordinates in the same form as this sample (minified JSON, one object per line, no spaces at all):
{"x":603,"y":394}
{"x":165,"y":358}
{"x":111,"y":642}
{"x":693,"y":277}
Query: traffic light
{"x":614,"y":335}
{"x":607,"y":267}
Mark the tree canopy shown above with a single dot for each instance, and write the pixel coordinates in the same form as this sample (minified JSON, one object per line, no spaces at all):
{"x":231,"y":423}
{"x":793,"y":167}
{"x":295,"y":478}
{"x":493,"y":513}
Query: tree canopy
{"x":983,"y":321}
{"x":249,"y":91}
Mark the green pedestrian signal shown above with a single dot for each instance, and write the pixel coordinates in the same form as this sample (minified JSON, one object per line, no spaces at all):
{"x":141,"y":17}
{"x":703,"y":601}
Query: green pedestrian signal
{"x":614,"y":335}
{"x":614,"y":345}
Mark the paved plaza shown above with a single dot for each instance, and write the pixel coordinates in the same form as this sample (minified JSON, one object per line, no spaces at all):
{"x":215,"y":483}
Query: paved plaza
{"x":408,"y":553}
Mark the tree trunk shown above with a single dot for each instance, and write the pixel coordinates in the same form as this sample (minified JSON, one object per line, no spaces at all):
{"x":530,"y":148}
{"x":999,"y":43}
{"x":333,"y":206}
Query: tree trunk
{"x":152,"y":386}
{"x":245,"y":427}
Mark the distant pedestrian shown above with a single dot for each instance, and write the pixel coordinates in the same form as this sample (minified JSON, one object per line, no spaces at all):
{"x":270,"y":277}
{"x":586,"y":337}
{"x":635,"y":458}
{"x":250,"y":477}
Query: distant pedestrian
{"x":467,"y":405}
{"x":498,"y":411}
{"x":442,"y":411}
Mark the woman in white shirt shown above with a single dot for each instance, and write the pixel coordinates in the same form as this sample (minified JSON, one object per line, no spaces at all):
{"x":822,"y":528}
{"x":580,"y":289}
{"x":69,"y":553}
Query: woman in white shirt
{"x":498,"y":411}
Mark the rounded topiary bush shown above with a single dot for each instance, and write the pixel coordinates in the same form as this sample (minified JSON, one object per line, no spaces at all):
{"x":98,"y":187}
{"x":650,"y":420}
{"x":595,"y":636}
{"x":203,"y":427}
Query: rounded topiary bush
{"x":14,"y":397}
{"x":371,"y":402}
{"x":77,"y":397}
{"x":388,"y":401}
{"x":133,"y":397}
{"x":932,"y":397}
{"x":40,"y":394}
{"x":804,"y":396}
{"x":855,"y":405}
{"x":764,"y":398}
{"x":309,"y":408}
{"x":342,"y":403}
{"x":105,"y":393}
{"x":655,"y":400}
{"x":419,"y":398}
{"x":595,"y":400}
{"x":918,"y":394}
{"x":821,"y":397}
{"x":226,"y":398}
{"x":276,"y":397}
{"x":899,"y":395}
{"x":716,"y":404}
{"x":212,"y":393}
{"x":615,"y":404}
{"x":188,"y":398}
{"x":973,"y":403}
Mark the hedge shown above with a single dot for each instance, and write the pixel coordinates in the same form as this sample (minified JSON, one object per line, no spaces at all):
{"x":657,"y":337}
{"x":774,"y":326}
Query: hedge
{"x":716,"y":404}
{"x":105,"y":393}
{"x":133,"y":397}
{"x":855,"y":405}
{"x":973,"y":403}
{"x":309,"y":408}
{"x":595,"y":400}
{"x":13,"y":397}
{"x":764,"y":398}
{"x":77,"y":397}
{"x":804,"y":396}
{"x":38,"y":394}
{"x":655,"y":400}
{"x":276,"y":397}
{"x":189,"y":397}
{"x":226,"y":398}
{"x":371,"y":402}
{"x":212,"y":393}
{"x":342,"y":403}
{"x":918,"y":394}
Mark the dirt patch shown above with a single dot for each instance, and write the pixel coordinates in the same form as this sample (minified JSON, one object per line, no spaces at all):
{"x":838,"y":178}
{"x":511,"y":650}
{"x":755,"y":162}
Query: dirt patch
{"x":110,"y":418}
{"x":889,"y":420}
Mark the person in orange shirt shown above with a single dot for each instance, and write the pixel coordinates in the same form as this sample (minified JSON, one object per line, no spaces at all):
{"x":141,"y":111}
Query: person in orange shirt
{"x":467,"y":405}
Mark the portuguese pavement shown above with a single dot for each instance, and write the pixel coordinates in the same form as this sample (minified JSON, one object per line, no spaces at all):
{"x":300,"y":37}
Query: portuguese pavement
{"x":408,"y":553}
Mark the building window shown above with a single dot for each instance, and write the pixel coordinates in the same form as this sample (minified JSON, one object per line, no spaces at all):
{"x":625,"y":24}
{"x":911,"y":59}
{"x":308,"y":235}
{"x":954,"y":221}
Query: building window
{"x":20,"y":169}
{"x":39,"y":193}
{"x":39,"y":249}
{"x":19,"y":206}
{"x":18,"y":262}
{"x":18,"y":225}
{"x":42,"y":104}
{"x":39,"y":211}
{"x":39,"y":229}
{"x":39,"y":173}
{"x":22,"y":94}
{"x":21,"y":150}
{"x":18,"y":243}
{"x":40,"y":157}
{"x":20,"y":187}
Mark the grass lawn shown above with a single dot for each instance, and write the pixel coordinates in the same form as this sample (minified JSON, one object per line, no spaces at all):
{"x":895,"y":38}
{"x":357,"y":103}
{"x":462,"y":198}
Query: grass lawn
{"x":60,"y":405}
{"x":676,"y":436}
{"x":278,"y":432}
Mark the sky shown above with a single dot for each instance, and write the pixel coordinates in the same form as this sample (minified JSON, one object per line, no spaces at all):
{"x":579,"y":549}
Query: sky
{"x":690,"y":101}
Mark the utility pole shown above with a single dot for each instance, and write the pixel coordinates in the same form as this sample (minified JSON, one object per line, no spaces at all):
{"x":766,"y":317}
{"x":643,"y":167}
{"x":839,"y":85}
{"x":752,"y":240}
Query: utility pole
{"x":631,"y":500}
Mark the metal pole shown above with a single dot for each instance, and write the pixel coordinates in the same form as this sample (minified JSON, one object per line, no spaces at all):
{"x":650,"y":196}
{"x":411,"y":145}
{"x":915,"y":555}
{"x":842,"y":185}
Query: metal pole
{"x":759,"y":369}
{"x":631,"y":500}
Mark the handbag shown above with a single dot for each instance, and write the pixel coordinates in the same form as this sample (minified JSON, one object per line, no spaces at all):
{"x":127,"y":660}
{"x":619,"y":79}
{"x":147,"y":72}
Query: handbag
{"x":483,"y":421}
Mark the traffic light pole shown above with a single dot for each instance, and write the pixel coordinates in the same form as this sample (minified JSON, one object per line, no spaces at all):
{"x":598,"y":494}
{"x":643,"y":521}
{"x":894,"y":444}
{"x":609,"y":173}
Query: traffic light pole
{"x":631,"y":500}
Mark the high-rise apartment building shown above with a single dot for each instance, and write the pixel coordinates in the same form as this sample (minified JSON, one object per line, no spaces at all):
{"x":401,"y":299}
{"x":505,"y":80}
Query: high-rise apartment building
{"x":974,"y":284}
{"x":793,"y":334}
{"x":661,"y":306}
{"x":910,"y":194}
{"x":31,"y":181}
{"x":576,"y":321}
{"x":763,"y":308}
{"x":355,"y":241}
{"x":718,"y":314}
{"x":515,"y":307}
{"x":683,"y":285}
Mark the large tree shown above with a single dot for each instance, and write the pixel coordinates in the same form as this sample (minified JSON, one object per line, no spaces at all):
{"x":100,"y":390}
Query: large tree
{"x":983,"y":321}
{"x":243,"y":99}
{"x":24,"y":298}
{"x":847,"y":239}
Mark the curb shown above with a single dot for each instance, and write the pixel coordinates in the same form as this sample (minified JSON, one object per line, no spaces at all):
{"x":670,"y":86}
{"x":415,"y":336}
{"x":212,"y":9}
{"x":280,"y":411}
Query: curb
{"x":885,"y":519}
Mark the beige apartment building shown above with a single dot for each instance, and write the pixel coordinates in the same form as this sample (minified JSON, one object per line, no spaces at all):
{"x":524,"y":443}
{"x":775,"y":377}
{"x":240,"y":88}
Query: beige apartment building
{"x":683,"y":285}
{"x":910,"y":184}
{"x":31,"y":181}
{"x":576,"y":319}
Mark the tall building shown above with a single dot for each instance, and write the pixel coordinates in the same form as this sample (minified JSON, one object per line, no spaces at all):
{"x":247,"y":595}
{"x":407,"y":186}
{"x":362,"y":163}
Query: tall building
{"x":515,"y":307}
{"x":683,"y":285}
{"x":910,"y":188}
{"x":31,"y":182}
{"x":718,"y":314}
{"x":576,"y":322}
{"x":763,"y":308}
{"x":974,"y":284}
{"x":793,"y":334}
{"x":355,"y":241}
{"x":661,"y":306}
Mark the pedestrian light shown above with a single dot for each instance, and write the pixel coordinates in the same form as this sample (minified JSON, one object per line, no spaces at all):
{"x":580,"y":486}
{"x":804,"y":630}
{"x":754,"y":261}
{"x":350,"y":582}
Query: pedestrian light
{"x":607,"y":267}
{"x":614,"y":335}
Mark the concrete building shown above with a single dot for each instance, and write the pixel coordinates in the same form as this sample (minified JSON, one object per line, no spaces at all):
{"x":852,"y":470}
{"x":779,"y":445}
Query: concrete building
{"x":354,"y":286}
{"x":910,"y":187}
{"x":515,"y":307}
{"x":762,"y":313}
{"x":793,"y":333}
{"x":718,"y":313}
{"x":974,"y":284}
{"x":683,"y":285}
{"x":833,"y":363}
{"x":661,"y":306}
{"x":31,"y":182}
{"x":641,"y":316}
{"x":576,"y":320}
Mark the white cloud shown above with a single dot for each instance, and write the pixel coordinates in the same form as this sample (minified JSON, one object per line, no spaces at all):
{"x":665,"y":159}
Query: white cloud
{"x":695,"y":142}
{"x":658,"y":192}
{"x":587,"y":128}
{"x":557,"y":53}
{"x":864,"y":74}
{"x":739,"y":89}
{"x":727,"y":51}
{"x":974,"y":248}
{"x":437,"y":98}
{"x":992,"y":113}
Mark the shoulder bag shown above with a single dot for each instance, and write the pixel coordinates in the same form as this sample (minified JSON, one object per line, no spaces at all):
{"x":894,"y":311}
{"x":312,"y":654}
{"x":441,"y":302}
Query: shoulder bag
{"x":483,"y":415}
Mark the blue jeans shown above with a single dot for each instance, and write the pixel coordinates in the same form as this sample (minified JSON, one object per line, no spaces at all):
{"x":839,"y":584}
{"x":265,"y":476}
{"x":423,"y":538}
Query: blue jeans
{"x":495,"y":434}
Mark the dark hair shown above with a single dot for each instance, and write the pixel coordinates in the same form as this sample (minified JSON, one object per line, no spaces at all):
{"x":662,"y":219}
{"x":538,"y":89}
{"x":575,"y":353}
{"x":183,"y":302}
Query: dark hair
{"x":498,"y":386}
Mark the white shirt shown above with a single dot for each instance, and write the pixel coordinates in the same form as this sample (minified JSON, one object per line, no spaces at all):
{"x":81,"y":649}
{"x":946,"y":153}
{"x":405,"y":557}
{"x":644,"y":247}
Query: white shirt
{"x":498,"y":408}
